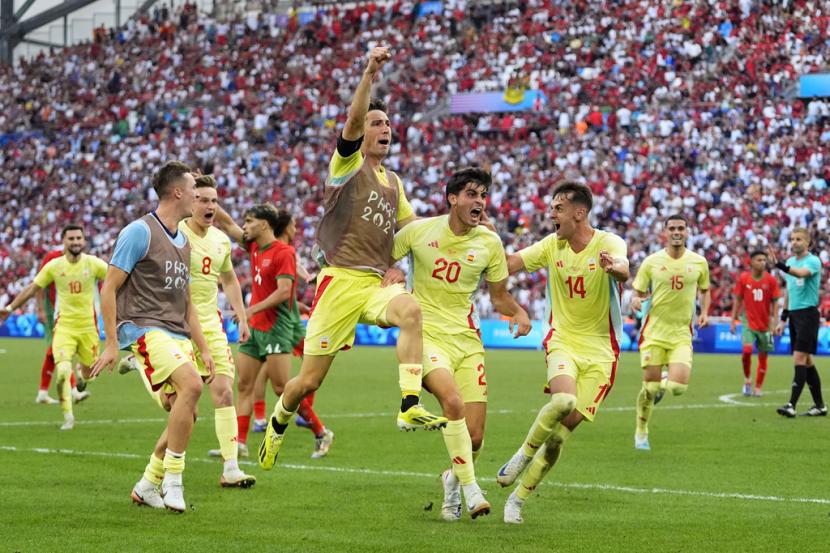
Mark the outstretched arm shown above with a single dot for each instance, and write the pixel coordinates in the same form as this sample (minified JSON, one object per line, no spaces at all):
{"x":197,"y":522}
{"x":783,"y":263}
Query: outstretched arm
{"x":21,"y":299}
{"x":227,"y":225}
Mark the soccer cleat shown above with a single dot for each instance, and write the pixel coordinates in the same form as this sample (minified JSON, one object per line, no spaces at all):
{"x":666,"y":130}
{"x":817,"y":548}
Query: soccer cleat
{"x":127,"y":364}
{"x":80,"y":382}
{"x":451,"y":508}
{"x":149,"y":497}
{"x":513,"y":509}
{"x":417,"y":417}
{"x":323,"y":444}
{"x":641,"y":442}
{"x":747,"y":391}
{"x":786,"y":411}
{"x":757,"y":392}
{"x":301,"y":422}
{"x":78,"y":396}
{"x":513,"y":468}
{"x":68,"y":421}
{"x":43,"y":397}
{"x":270,"y":447}
{"x":476,"y":504}
{"x":815,"y":411}
{"x":260,"y":425}
{"x":237,"y":479}
{"x":173,"y":495}
{"x":664,"y":380}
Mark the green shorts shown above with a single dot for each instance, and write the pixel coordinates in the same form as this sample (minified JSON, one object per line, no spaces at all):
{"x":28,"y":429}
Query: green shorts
{"x":764,"y":340}
{"x":282,"y":338}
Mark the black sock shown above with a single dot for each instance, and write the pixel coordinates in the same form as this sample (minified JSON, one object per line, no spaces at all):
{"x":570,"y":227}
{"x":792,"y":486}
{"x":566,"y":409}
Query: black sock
{"x":278,"y":428}
{"x":798,"y":383}
{"x":408,"y":401}
{"x":814,"y":382}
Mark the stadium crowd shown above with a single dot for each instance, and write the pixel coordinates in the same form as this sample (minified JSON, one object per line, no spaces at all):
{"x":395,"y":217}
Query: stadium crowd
{"x":659,"y":107}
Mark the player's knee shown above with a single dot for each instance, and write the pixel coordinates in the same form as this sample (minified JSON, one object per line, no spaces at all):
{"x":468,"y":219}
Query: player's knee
{"x":224,"y":397}
{"x":747,"y":350}
{"x":676,"y":388}
{"x":651,"y":389}
{"x":63,"y":369}
{"x":562,"y":404}
{"x":410,"y":315}
{"x":453,"y":406}
{"x":190,"y":389}
{"x":308,"y":384}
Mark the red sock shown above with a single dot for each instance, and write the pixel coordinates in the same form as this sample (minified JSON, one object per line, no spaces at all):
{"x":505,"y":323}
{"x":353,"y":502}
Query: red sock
{"x":308,"y":414}
{"x":47,"y":370}
{"x":243,"y":422}
{"x":72,"y":379}
{"x":746,"y":359}
{"x":259,"y":409}
{"x":762,"y":369}
{"x":310,"y":398}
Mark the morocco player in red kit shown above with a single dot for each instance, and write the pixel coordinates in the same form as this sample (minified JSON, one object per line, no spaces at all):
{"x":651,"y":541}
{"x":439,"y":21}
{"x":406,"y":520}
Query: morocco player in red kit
{"x":757,"y":293}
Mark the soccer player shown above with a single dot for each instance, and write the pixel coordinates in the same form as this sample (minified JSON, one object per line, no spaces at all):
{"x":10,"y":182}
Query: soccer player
{"x":146,"y":305}
{"x":75,"y":276}
{"x":586,"y":267}
{"x":756,"y":293}
{"x":276,"y":328}
{"x":450,"y":255}
{"x":363,"y":203}
{"x":671,"y":278}
{"x":802,"y":272}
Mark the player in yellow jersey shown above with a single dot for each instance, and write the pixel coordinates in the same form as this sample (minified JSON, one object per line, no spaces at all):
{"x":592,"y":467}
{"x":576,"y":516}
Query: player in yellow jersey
{"x":449,"y":256}
{"x":75,"y":275}
{"x":671,"y":280}
{"x":363,"y":205}
{"x":586,"y":268}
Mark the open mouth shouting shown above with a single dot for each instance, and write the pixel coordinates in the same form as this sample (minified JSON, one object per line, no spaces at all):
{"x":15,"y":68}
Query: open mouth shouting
{"x":475,"y":213}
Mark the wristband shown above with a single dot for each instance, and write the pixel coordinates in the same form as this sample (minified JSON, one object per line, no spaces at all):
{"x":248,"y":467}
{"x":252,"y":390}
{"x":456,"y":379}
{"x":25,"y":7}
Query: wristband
{"x":781,"y":266}
{"x":785,"y":314}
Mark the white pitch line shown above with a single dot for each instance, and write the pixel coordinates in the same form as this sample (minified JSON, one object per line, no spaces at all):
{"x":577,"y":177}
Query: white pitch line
{"x":398,"y":473}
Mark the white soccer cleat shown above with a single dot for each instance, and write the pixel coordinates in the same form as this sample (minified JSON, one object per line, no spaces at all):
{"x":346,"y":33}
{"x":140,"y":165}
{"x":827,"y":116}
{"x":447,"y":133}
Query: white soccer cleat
{"x":127,"y":364}
{"x":513,"y":468}
{"x":323,"y":444}
{"x":236,"y":479}
{"x":43,"y":397}
{"x":513,"y":509}
{"x":78,"y":397}
{"x":451,"y":508}
{"x":476,"y":504}
{"x":148,"y":496}
{"x":173,"y":495}
{"x":68,"y":421}
{"x":747,"y":389}
{"x":641,"y":442}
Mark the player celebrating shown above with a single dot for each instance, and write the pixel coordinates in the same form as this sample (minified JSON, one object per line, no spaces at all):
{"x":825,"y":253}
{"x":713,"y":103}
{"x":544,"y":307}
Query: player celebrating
{"x":802,"y":272}
{"x":276,"y":328}
{"x":450,"y":256}
{"x":363,"y":204}
{"x":585,"y":268}
{"x":75,"y":276}
{"x":673,"y":276}
{"x":757,"y":292}
{"x":146,"y":305}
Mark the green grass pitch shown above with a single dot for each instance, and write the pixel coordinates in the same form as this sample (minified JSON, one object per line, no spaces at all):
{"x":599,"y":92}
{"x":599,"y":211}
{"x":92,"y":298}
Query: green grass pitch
{"x":722,"y":476}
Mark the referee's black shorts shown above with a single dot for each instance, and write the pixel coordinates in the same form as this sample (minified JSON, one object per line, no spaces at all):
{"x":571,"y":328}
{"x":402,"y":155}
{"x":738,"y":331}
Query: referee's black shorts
{"x":804,"y":325}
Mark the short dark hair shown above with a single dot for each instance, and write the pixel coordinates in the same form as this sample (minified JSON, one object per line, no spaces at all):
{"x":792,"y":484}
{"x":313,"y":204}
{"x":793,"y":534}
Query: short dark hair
{"x":459,"y":180}
{"x":267,"y":213}
{"x":676,"y":217}
{"x":757,"y":252}
{"x":283,"y":220}
{"x":377,"y":104}
{"x":577,"y":193}
{"x":205,"y":181}
{"x":70,"y":227}
{"x":169,"y":173}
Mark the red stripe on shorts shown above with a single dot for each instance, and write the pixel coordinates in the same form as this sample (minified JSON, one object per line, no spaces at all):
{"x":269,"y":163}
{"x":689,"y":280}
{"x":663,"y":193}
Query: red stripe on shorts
{"x":320,"y":290}
{"x":148,"y":367}
{"x":642,"y":333}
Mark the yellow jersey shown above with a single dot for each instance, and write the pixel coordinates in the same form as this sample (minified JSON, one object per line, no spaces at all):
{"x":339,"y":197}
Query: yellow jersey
{"x":584,"y":315}
{"x":209,"y":256}
{"x":75,"y":284}
{"x":673,"y":284}
{"x":446,"y":271}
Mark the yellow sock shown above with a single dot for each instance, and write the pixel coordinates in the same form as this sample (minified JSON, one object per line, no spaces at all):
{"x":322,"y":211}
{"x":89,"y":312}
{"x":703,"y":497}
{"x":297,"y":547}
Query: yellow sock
{"x":460,"y":448}
{"x":173,"y":462}
{"x":559,"y":407}
{"x":543,"y":461}
{"x":64,"y":372}
{"x":226,"y":431}
{"x":410,"y":378}
{"x":154,"y":472}
{"x":477,"y":454}
{"x":282,"y":414}
{"x":645,"y":402}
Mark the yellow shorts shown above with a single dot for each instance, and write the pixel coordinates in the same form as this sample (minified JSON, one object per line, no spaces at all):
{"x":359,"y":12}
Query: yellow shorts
{"x":593,"y":379}
{"x":219,"y":350}
{"x":464,"y":359}
{"x":67,"y":342}
{"x":663,"y":354}
{"x":344,"y":298}
{"x":159,"y":355}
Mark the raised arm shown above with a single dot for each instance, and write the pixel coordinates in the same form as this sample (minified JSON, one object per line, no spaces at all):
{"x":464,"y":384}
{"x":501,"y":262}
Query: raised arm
{"x":355,"y":123}
{"x":227,"y":225}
